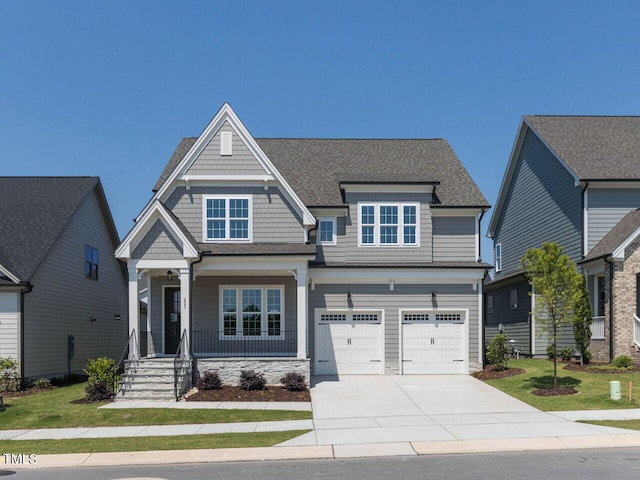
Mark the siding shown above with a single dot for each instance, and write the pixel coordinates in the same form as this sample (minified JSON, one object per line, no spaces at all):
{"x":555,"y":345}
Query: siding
{"x":241,"y":162}
{"x":542,"y":205}
{"x":63,"y":301}
{"x":9,"y":319}
{"x":516,"y":321}
{"x":454,"y":239}
{"x":274,"y":220}
{"x":158,"y":244}
{"x":606,"y":207}
{"x":379,"y":297}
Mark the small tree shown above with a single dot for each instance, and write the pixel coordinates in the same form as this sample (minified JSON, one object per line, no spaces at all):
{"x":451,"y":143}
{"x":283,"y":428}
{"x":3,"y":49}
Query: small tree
{"x":555,"y":280}
{"x":582,"y":321}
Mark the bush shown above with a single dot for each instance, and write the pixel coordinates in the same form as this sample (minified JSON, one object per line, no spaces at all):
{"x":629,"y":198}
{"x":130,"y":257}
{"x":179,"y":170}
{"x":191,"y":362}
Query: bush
{"x":294,"y":381}
{"x":42,"y":383}
{"x":9,"y":378}
{"x":566,"y":354}
{"x":97,"y":392}
{"x":210,"y":380}
{"x":622,"y":361}
{"x":250,"y":380}
{"x":103,"y":370}
{"x":497,"y":351}
{"x":551,"y":352}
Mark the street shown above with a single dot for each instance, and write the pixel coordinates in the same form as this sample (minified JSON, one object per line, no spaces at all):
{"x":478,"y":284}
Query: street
{"x":621,"y":464}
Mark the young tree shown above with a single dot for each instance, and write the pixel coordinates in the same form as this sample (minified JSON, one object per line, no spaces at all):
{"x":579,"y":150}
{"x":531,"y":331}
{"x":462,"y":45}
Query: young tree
{"x":582,"y":321}
{"x":555,"y":280}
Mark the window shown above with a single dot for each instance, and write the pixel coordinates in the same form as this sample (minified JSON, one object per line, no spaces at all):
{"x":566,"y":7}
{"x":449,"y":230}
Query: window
{"x":389,"y":224}
{"x":514,"y":299}
{"x":252,"y":312}
{"x":227,"y":219}
{"x":498,"y":258}
{"x":327,"y":231}
{"x":91,"y":262}
{"x":489,"y":303}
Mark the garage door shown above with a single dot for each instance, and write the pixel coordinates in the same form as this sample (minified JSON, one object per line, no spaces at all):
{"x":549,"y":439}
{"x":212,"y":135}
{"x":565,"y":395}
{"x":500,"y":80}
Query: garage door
{"x":433,"y":342}
{"x":348,"y":343}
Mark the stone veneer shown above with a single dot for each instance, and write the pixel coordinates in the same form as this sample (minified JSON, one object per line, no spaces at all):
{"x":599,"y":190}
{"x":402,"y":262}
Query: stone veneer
{"x":272,"y":368}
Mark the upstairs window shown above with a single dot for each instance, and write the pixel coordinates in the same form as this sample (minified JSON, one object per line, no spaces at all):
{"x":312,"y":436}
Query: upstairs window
{"x":91,"y":262}
{"x":227,"y":219}
{"x":498,"y":258}
{"x":327,"y":231}
{"x":389,"y":224}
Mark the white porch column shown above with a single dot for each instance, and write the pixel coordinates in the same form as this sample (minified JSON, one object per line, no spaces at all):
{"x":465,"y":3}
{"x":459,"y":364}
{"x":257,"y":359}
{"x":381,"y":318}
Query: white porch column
{"x":185,"y":300}
{"x":134,"y":308}
{"x":301,"y":277}
{"x":150,"y":349}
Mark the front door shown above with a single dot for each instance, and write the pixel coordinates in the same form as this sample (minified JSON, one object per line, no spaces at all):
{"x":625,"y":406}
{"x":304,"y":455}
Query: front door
{"x":171,"y":319}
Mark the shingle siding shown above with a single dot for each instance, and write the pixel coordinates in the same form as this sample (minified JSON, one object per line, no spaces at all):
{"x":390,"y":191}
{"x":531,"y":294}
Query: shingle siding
{"x":454,"y":239}
{"x":606,"y":207}
{"x":158,"y":244}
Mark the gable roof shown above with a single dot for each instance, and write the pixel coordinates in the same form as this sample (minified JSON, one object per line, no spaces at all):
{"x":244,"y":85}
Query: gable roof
{"x":623,"y":233}
{"x":314,"y":167}
{"x":33,"y":213}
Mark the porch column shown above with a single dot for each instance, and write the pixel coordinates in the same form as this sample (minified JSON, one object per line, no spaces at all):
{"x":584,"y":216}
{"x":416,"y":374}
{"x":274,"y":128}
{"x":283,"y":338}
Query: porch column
{"x":134,"y":308}
{"x":185,"y":300}
{"x":301,"y":278}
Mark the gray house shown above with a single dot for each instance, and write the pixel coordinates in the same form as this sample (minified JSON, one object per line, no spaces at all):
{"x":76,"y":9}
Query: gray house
{"x":63,"y":294}
{"x":325,"y":256}
{"x":572,"y":180}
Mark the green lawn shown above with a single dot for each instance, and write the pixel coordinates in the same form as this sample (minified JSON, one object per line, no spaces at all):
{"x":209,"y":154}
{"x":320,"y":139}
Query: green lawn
{"x":136,"y":444}
{"x":628,"y":424}
{"x":593,"y":388}
{"x":52,"y":409}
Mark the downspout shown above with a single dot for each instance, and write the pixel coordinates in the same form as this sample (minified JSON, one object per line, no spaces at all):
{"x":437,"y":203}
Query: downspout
{"x":582,"y":223}
{"x":315,"y":227}
{"x":479,"y":240}
{"x":611,"y":272}
{"x":27,"y":289}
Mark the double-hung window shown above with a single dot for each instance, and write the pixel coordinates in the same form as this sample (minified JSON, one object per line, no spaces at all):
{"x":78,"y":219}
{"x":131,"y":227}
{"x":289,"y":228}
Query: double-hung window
{"x":252,"y":312}
{"x":227,"y":218}
{"x":498,"y":259}
{"x":389,"y":224}
{"x":91,"y":262}
{"x":327,"y":231}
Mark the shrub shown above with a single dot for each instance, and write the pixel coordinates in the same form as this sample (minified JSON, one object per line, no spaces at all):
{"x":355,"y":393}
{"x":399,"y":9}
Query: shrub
{"x":294,"y":381}
{"x":497,"y":351}
{"x":622,"y":361}
{"x":566,"y":354}
{"x":551,"y":352}
{"x":607,"y":368}
{"x":250,"y":380}
{"x":210,"y":380}
{"x":9,"y":378}
{"x":97,"y":392}
{"x":42,"y":383}
{"x":103,"y":370}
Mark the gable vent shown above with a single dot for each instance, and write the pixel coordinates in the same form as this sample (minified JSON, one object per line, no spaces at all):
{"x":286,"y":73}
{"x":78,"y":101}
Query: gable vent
{"x":225,"y":143}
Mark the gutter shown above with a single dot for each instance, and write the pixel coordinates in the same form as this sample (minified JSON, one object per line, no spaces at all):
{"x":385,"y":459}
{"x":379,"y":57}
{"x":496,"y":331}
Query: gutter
{"x":611,"y":264}
{"x":479,"y":259}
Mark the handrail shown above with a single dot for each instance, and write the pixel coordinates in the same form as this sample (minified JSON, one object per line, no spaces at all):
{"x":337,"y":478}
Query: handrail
{"x":183,"y":356}
{"x":636,"y":330}
{"x":131,"y":353}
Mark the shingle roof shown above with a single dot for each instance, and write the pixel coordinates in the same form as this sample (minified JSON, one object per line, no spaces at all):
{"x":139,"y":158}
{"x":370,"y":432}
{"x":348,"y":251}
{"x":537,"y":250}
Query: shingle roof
{"x":33,"y":213}
{"x":315,"y":167}
{"x":594,"y":147}
{"x":616,"y":236}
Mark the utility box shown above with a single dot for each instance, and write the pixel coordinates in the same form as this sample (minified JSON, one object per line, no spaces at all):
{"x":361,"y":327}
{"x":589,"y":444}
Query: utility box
{"x":614,"y":390}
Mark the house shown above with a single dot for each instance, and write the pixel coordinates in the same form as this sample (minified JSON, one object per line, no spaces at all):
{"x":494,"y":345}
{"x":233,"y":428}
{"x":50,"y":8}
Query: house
{"x":323,"y":256}
{"x":63,"y":294}
{"x":574,"y":180}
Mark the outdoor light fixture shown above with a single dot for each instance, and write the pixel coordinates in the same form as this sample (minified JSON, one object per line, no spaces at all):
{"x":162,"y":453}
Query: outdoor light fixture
{"x":434,"y":297}
{"x":348,"y":296}
{"x":169,"y":275}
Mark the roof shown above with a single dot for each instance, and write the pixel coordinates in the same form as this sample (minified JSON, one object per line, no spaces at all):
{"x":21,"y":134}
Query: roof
{"x":257,"y":249}
{"x":616,"y":236}
{"x":33,"y":213}
{"x":315,"y":167}
{"x":593,"y":147}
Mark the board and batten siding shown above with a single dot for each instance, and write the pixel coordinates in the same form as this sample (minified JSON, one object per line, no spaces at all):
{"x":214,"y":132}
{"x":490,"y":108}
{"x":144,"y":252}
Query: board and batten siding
{"x":64,"y":301}
{"x":240,"y":162}
{"x":454,"y":239}
{"x":543,"y":204}
{"x":606,"y":207}
{"x":274,"y":219}
{"x":403,"y":297}
{"x":9,"y":322}
{"x":158,"y":244}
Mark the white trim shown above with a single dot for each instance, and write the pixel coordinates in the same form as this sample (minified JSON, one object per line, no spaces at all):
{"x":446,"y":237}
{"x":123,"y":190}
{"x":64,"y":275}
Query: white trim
{"x":619,"y":252}
{"x":377,"y":224}
{"x":480,"y":327}
{"x":8,"y":274}
{"x":495,"y":257}
{"x":162,"y":264}
{"x":164,"y":326}
{"x":207,"y":179}
{"x":264,"y":319}
{"x":477,"y":235}
{"x":227,"y":218}
{"x":585,"y":223}
{"x":334,"y":239}
{"x":534,"y":333}
{"x":386,"y":187}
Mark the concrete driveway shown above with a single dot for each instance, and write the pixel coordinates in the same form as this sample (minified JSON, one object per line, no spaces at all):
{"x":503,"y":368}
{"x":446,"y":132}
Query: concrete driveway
{"x":358,"y":409}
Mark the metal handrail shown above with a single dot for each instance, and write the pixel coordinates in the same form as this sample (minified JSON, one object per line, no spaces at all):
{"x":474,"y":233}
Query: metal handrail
{"x":183,"y":356}
{"x":131,"y":353}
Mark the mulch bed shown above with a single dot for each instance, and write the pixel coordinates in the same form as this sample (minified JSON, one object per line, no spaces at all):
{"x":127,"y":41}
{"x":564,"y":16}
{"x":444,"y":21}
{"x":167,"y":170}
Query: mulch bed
{"x":551,"y":392}
{"x":490,"y":373}
{"x":585,"y":368}
{"x":237,"y":394}
{"x":84,"y":401}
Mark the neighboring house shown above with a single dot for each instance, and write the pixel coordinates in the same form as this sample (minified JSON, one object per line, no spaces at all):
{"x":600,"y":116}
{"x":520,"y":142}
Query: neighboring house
{"x":325,"y":256}
{"x":571,"y":180}
{"x":63,"y":294}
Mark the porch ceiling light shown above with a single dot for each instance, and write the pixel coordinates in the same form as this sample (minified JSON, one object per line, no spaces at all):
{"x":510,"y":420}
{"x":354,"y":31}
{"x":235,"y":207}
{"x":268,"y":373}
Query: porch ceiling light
{"x":169,"y":275}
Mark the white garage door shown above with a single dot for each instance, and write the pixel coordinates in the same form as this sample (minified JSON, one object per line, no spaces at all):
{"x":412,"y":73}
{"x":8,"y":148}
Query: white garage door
{"x":433,"y":342}
{"x":348,"y":343}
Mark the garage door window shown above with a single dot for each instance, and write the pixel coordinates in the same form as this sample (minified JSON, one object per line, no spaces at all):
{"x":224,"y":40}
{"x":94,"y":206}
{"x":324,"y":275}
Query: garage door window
{"x":359,"y":317}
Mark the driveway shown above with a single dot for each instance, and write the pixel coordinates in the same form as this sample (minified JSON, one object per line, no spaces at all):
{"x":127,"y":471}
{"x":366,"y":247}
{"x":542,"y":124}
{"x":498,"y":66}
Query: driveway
{"x":370,"y":409}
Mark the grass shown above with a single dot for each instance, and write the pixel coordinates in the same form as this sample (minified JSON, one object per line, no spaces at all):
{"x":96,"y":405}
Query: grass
{"x":136,"y":444}
{"x":628,"y":424}
{"x":593,"y":388}
{"x":52,"y":409}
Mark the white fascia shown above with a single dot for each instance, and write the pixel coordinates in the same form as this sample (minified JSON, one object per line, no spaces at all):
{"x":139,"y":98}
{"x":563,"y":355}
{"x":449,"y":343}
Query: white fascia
{"x":618,"y":253}
{"x":8,"y":274}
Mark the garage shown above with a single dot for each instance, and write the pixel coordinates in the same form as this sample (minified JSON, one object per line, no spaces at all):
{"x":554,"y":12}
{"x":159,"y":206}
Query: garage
{"x":348,"y":342}
{"x":433,"y":342}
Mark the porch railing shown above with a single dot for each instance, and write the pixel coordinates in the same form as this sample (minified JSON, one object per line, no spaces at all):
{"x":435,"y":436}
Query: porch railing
{"x":597,"y":328}
{"x":636,"y":330}
{"x":128,"y":362}
{"x":182,"y":367}
{"x":261,"y":344}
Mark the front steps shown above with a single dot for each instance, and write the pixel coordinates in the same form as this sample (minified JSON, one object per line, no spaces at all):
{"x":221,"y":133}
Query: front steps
{"x":152,"y":379}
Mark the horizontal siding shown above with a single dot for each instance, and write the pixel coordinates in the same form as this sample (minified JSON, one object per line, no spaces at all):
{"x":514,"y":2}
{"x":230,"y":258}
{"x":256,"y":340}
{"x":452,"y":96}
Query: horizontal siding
{"x":520,"y":332}
{"x":454,"y":239}
{"x":542,"y":205}
{"x":9,"y":320}
{"x":606,"y":207}
{"x":158,"y":244}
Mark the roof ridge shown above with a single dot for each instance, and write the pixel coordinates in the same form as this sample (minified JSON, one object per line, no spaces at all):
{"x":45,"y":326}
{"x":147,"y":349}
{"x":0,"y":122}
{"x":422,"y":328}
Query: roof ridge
{"x":581,"y":116}
{"x":350,"y":138}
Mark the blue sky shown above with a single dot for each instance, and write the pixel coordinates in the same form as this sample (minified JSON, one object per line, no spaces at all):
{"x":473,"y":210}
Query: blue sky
{"x":109,"y":88}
